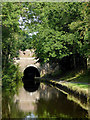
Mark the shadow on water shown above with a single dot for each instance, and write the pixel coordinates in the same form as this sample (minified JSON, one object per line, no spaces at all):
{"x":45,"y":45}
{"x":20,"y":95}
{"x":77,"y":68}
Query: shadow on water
{"x":30,"y":84}
{"x":38,"y":100}
{"x":56,"y":104}
{"x":46,"y":102}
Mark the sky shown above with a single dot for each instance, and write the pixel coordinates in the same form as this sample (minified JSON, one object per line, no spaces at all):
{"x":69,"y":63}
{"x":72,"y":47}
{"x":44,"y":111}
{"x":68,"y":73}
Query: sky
{"x":22,"y":24}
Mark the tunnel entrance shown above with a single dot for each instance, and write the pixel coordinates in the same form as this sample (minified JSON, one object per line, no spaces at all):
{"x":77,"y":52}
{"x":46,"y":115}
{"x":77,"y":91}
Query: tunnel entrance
{"x":31,"y":72}
{"x":29,"y":79}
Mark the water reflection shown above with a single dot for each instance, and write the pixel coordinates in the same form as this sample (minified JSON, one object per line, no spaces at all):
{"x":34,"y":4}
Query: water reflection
{"x":26,"y":100}
{"x":31,"y":116}
{"x":48,"y":102}
{"x":30,"y":85}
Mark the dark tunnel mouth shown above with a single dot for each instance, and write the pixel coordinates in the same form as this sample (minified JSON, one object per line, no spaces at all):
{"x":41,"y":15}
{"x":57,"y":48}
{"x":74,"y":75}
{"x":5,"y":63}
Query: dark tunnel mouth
{"x":31,"y":70}
{"x":30,"y":84}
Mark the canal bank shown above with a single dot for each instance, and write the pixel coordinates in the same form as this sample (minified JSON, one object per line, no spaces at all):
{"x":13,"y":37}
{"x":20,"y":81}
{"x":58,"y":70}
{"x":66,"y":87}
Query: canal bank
{"x":79,"y":97}
{"x":47,"y":102}
{"x":73,"y":95}
{"x":74,"y":83}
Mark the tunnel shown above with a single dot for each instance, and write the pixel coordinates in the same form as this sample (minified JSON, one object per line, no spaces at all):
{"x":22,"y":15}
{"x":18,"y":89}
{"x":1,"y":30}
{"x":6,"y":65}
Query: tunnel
{"x":30,"y":84}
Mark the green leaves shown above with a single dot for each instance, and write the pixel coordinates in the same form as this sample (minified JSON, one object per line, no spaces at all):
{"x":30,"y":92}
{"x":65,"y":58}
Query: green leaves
{"x":62,"y":29}
{"x":10,"y":45}
{"x":10,"y":78}
{"x":10,"y":30}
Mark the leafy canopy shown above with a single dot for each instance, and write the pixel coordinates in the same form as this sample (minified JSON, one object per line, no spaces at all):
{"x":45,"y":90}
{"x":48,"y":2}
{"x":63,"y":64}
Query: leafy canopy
{"x":62,"y":29}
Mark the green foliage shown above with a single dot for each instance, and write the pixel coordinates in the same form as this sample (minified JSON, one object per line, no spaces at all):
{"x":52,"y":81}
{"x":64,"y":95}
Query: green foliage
{"x":79,"y":77}
{"x":25,"y":42}
{"x":10,"y":30}
{"x":10,"y":45}
{"x":83,"y":78}
{"x":62,"y":29}
{"x":9,"y":107}
{"x":11,"y":78}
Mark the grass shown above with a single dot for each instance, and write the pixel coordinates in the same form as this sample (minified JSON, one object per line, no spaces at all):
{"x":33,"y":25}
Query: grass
{"x":83,"y":78}
{"x":79,"y":76}
{"x":80,"y":81}
{"x":77,"y":87}
{"x":76,"y":80}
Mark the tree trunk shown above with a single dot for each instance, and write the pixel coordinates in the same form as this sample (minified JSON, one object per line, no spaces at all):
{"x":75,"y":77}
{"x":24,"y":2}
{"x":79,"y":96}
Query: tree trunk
{"x":74,"y":61}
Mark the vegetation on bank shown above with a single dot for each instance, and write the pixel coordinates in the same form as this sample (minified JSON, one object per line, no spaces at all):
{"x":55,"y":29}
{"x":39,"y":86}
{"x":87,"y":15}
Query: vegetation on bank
{"x":59,"y":38}
{"x":59,"y":33}
{"x":11,"y":81}
{"x":10,"y":46}
{"x":79,"y":82}
{"x":75,"y":84}
{"x":11,"y":78}
{"x":75,"y":79}
{"x":77,"y":76}
{"x":62,"y":36}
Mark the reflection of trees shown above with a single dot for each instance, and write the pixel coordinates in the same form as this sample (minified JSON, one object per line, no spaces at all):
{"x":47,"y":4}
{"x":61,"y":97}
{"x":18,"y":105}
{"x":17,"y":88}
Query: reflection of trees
{"x":53,"y":103}
{"x":47,"y":94}
{"x":48,"y":102}
{"x":10,"y":109}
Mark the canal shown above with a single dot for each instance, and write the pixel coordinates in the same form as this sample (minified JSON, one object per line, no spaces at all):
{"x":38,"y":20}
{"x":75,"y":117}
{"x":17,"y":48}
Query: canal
{"x":46,"y":102}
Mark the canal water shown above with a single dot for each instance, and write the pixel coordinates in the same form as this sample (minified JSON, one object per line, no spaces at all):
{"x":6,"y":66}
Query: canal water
{"x":46,"y":102}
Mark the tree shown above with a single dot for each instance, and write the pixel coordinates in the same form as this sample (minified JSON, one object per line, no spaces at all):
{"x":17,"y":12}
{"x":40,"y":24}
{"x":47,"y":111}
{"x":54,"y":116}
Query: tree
{"x":60,"y":28}
{"x":10,"y":30}
{"x":10,"y":45}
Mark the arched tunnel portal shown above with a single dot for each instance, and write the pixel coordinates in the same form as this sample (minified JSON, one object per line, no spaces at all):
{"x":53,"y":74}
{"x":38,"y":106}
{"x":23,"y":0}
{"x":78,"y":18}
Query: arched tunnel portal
{"x":31,"y":72}
{"x":28,"y":79}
